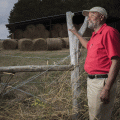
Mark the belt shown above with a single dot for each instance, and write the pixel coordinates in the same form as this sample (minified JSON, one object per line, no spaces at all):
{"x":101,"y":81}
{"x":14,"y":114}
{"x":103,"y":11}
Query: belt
{"x":98,"y":76}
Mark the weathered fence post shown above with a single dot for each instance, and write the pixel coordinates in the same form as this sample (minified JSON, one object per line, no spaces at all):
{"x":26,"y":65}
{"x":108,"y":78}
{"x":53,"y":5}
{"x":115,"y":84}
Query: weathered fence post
{"x":74,"y":53}
{"x":74,"y":47}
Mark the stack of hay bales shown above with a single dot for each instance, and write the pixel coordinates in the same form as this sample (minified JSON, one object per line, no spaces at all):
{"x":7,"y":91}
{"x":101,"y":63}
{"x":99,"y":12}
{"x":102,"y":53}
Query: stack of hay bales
{"x":63,"y":32}
{"x":25,"y":44}
{"x":25,"y":34}
{"x":54,"y":34}
{"x":65,"y":42}
{"x":41,"y":32}
{"x":38,"y":31}
{"x":29,"y":32}
{"x":54,"y":44}
{"x":39,"y":44}
{"x":10,"y":44}
{"x":18,"y":34}
{"x":55,"y":30}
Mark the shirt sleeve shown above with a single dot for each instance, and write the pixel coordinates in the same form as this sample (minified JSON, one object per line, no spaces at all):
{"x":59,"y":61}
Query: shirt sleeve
{"x":111,"y":42}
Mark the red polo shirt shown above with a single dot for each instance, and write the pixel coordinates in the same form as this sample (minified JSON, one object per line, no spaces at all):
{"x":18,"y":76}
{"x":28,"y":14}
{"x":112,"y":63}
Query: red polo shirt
{"x":102,"y":46}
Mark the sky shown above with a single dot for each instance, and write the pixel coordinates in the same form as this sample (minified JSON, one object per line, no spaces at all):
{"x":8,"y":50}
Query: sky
{"x":5,"y":7}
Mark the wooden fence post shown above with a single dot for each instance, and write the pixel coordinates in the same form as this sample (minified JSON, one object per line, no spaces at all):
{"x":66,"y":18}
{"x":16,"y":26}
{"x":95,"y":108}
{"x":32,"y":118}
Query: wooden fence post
{"x":74,"y":47}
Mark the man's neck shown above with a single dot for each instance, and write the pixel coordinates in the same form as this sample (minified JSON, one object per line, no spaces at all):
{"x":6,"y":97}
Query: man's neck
{"x":96,"y":29}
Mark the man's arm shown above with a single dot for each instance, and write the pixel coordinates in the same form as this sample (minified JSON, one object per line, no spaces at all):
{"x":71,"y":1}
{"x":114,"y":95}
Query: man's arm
{"x":81,"y":39}
{"x":114,"y":69}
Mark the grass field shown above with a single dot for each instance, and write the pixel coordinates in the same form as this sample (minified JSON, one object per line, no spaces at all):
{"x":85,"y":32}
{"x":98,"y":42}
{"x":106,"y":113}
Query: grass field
{"x":48,"y":96}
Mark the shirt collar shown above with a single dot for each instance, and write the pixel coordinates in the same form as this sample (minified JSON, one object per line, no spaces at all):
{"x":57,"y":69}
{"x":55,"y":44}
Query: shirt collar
{"x":100,"y":30}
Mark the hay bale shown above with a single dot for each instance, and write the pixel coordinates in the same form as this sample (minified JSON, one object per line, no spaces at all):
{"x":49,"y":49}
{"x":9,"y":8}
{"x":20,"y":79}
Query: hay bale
{"x":41,"y":32}
{"x":66,"y":42}
{"x":39,"y":44}
{"x":26,"y":34}
{"x":54,"y":34}
{"x":64,"y":26}
{"x":63,"y":43}
{"x":63,"y":33}
{"x":37,"y":33}
{"x":25,"y":44}
{"x":40,"y":27}
{"x":47,"y":34}
{"x":30,"y":31}
{"x":30,"y":28}
{"x":18,"y":34}
{"x":54,"y":44}
{"x":9,"y":44}
{"x":57,"y":27}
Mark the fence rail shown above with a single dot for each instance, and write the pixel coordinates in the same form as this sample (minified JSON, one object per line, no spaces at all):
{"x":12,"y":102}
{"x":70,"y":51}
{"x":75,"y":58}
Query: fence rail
{"x":36,"y":68}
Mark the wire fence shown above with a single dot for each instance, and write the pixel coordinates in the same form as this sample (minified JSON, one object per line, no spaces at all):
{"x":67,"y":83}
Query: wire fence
{"x":47,"y":92}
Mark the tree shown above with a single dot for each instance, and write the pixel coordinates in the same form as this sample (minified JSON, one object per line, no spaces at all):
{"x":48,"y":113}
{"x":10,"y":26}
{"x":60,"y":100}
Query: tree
{"x":25,"y":10}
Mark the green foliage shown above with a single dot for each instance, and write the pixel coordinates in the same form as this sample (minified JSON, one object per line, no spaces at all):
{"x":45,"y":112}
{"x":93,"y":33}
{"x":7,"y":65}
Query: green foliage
{"x":25,"y":10}
{"x":39,"y":103}
{"x":32,"y":9}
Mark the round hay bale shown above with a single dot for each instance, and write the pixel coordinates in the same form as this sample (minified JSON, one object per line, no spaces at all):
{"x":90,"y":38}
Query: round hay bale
{"x":63,"y":33}
{"x":54,"y":44}
{"x":47,"y":34}
{"x":66,"y":42}
{"x":64,"y":27}
{"x":25,"y":44}
{"x":57,"y":27}
{"x":54,"y":34}
{"x":18,"y":34}
{"x":9,"y":44}
{"x":63,"y":43}
{"x":30,"y":31}
{"x":30,"y":28}
{"x":26,"y":34}
{"x":39,"y":44}
{"x":37,"y":33}
{"x":40,"y":27}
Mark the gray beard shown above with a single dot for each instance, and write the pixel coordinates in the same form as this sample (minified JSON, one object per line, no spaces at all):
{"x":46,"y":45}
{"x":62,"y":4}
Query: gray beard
{"x":92,"y":26}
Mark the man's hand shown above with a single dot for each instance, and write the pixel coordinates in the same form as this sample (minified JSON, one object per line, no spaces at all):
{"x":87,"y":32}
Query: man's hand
{"x":104,"y":96}
{"x":73,"y":30}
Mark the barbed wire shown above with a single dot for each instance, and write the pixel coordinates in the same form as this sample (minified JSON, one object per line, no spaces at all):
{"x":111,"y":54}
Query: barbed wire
{"x":81,"y":31}
{"x":37,"y":75}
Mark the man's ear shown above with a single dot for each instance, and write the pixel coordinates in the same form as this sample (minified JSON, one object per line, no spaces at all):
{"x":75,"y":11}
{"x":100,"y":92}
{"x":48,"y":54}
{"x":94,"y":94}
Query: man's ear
{"x":102,"y":17}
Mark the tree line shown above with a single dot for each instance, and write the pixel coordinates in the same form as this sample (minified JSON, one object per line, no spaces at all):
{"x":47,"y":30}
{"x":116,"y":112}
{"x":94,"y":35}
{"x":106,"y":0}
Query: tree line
{"x":33,"y":9}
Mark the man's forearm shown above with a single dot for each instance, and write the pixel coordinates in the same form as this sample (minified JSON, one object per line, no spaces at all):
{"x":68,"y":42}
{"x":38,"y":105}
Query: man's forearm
{"x":114,"y":69}
{"x":82,"y":40}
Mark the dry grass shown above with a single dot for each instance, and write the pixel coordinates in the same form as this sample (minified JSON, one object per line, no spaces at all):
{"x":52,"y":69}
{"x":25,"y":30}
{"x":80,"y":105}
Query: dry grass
{"x":52,"y":90}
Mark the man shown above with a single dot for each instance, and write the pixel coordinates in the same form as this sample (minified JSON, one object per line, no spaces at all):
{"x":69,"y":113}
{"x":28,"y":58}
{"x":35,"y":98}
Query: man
{"x":102,"y":63}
